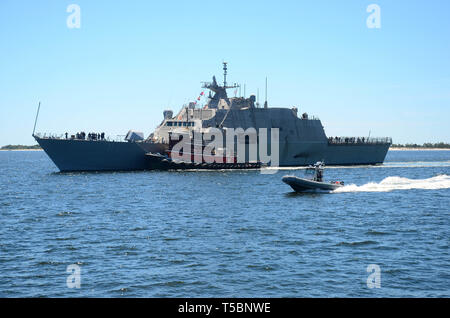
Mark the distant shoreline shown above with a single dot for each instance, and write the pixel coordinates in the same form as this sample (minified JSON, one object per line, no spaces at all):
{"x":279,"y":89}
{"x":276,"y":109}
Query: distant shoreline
{"x":21,"y":149}
{"x":412,"y":148}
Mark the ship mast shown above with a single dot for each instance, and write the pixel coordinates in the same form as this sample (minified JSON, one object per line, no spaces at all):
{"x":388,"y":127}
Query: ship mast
{"x":225,"y":74}
{"x":220,"y":92}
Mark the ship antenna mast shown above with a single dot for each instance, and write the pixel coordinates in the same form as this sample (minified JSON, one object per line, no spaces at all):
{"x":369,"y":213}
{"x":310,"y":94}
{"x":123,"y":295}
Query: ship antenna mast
{"x":257,"y":98}
{"x":225,"y":74}
{"x":37,"y":115}
{"x":265,"y":103}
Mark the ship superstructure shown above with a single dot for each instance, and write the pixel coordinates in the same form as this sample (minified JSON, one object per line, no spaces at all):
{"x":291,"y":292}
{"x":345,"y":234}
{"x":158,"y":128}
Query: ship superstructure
{"x":302,"y":139}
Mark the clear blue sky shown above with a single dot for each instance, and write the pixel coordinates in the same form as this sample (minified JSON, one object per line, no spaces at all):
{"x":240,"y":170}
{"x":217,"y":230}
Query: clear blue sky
{"x":130,"y":60}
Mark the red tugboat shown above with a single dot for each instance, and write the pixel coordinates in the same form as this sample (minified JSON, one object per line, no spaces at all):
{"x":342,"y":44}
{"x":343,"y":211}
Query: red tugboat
{"x":195,"y":158}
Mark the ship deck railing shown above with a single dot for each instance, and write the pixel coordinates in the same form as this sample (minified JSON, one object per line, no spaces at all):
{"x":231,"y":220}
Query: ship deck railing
{"x":359,"y":140}
{"x":118,"y":138}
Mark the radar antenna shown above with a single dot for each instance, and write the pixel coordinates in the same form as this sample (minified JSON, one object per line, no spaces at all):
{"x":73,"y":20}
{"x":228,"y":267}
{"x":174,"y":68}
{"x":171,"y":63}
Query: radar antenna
{"x":214,"y":86}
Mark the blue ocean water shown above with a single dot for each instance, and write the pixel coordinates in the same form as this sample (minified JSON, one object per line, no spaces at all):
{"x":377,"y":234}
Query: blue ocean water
{"x":225,"y":234}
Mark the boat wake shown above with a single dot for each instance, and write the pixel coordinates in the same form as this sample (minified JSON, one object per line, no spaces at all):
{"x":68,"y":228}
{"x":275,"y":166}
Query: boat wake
{"x":399,"y":183}
{"x":391,"y":164}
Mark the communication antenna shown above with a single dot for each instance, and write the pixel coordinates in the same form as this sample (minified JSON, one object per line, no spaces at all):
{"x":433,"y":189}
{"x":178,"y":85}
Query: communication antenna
{"x":257,"y":97}
{"x":244,"y":90}
{"x":265,"y":103}
{"x":225,"y":74}
{"x":35,"y":120}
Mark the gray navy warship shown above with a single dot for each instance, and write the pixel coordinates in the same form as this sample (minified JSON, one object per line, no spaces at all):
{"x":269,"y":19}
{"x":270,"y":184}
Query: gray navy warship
{"x":302,"y":139}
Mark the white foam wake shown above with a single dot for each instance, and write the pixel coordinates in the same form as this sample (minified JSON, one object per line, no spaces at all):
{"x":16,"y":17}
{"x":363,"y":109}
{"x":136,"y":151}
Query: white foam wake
{"x":399,"y":183}
{"x":391,"y":164}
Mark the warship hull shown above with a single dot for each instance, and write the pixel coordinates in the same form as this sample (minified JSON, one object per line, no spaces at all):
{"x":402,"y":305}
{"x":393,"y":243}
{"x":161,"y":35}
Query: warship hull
{"x":87,"y":155}
{"x":304,"y":154}
{"x":101,"y":155}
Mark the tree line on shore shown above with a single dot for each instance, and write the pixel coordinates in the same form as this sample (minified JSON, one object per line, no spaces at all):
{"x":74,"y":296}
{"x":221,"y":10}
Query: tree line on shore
{"x":20,"y":147}
{"x":425,"y":145}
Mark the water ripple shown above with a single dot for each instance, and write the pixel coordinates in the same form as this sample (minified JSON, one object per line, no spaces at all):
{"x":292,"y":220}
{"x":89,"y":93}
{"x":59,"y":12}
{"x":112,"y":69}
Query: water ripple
{"x":223,"y":234}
